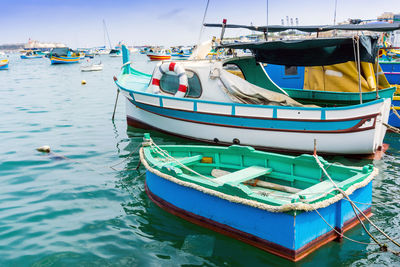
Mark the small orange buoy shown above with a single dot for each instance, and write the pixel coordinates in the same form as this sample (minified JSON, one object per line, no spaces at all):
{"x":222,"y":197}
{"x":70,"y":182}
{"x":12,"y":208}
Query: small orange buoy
{"x":83,"y":82}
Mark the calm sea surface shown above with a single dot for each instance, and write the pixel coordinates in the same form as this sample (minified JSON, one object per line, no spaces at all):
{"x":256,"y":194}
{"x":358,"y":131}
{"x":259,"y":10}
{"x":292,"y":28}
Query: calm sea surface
{"x":70,"y":208}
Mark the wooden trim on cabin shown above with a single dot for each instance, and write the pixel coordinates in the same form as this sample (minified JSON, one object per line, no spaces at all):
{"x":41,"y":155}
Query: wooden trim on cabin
{"x":289,"y":254}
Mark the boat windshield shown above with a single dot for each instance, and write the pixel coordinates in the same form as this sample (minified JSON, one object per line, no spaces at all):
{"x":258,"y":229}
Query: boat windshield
{"x":169,"y":83}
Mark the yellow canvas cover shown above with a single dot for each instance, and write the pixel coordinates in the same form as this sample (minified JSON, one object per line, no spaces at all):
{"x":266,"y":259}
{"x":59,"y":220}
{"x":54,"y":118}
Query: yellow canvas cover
{"x":343,"y":77}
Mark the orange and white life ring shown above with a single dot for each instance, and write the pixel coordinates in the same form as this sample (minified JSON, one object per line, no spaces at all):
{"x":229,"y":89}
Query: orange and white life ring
{"x":174,"y":67}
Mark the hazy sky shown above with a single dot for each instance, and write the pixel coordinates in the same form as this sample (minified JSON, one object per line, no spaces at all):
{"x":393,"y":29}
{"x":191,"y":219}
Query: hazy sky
{"x":78,"y":23}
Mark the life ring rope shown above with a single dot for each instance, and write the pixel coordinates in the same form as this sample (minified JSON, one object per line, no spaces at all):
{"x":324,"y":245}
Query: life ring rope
{"x":162,"y":69}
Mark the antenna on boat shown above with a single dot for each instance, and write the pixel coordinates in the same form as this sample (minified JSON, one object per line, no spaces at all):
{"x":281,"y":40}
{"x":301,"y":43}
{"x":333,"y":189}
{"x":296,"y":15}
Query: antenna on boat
{"x":222,"y":30}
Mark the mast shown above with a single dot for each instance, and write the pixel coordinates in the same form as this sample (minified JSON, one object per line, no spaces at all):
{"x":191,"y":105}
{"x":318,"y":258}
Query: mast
{"x":106,"y":32}
{"x":266,"y":33}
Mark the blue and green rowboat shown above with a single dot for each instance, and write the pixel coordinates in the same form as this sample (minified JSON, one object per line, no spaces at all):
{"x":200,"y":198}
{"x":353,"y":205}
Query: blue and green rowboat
{"x":275,"y":202}
{"x":64,"y":55}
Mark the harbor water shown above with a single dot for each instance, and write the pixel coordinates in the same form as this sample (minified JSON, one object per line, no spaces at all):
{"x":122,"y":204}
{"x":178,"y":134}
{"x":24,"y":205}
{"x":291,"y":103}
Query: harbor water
{"x":84,"y":204}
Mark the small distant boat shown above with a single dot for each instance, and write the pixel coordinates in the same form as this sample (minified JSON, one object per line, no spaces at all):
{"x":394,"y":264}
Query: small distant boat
{"x":163,"y":54}
{"x":4,"y":64}
{"x":144,"y":50}
{"x":89,"y":55}
{"x":275,"y":202}
{"x":89,"y":66}
{"x":115,"y":53}
{"x":183,"y":53}
{"x":86,"y":52}
{"x":102,"y":51}
{"x":31,"y":54}
{"x":63,"y":55}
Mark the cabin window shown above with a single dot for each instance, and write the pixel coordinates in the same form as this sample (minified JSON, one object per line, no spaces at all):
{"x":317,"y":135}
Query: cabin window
{"x":234,"y":69}
{"x":290,"y":70}
{"x":169,"y":83}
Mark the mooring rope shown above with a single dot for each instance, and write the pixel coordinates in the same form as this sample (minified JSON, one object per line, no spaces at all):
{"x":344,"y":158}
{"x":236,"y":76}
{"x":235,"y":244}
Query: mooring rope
{"x":390,"y":127}
{"x":53,"y":154}
{"x":383,"y":247}
{"x":130,"y":154}
{"x":341,"y":234}
{"x":395,"y":111}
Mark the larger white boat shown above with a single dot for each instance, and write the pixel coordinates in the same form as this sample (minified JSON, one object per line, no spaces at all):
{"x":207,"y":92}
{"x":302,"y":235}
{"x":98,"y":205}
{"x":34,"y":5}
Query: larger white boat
{"x":198,"y":99}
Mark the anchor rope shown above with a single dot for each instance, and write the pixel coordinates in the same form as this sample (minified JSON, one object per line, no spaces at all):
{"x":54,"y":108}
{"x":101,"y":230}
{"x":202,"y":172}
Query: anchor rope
{"x":341,"y":234}
{"x":383,"y":247}
{"x":395,"y":111}
{"x":78,"y":162}
{"x":390,"y":127}
{"x":130,"y":154}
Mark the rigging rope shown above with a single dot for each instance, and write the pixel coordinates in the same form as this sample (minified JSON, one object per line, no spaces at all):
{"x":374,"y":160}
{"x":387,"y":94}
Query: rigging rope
{"x":392,"y":128}
{"x":341,"y":234}
{"x":130,"y":154}
{"x":383,"y":247}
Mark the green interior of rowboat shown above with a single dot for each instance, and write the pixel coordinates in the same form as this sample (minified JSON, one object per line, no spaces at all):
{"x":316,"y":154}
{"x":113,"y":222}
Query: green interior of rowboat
{"x":244,"y":172}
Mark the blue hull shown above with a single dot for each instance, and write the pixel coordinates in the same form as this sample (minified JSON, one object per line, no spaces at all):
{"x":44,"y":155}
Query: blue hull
{"x":290,"y":235}
{"x":4,"y":67}
{"x":392,"y":72}
{"x":394,"y":120}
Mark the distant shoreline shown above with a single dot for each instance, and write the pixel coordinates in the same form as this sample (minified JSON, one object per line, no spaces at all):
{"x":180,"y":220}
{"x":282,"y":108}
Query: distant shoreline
{"x":12,"y":46}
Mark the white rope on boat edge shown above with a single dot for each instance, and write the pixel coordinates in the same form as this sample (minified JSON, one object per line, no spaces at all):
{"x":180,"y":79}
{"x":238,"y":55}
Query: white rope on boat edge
{"x":283,"y":208}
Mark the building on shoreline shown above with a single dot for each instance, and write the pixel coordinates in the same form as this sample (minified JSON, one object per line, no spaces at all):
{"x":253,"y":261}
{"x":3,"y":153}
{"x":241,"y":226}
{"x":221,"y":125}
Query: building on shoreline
{"x":33,"y":44}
